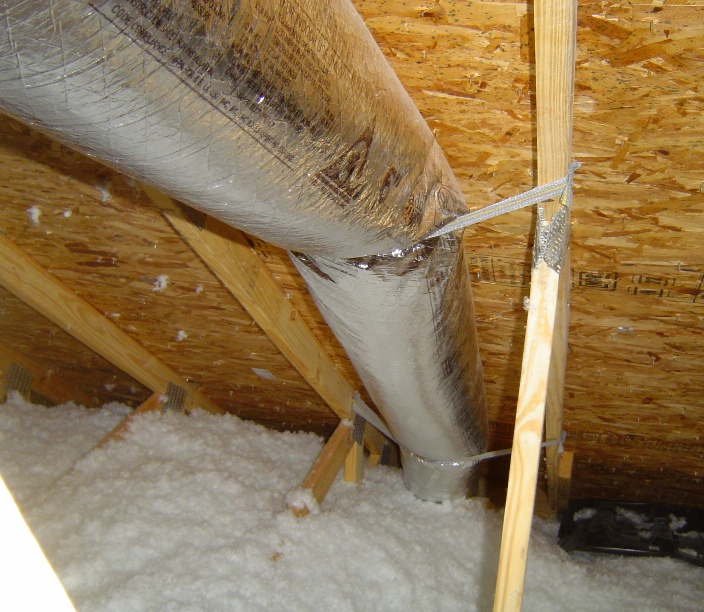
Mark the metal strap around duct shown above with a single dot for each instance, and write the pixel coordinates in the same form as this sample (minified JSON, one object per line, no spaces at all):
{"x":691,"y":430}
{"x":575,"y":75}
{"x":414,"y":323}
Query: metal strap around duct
{"x":363,"y":411}
{"x":560,"y":188}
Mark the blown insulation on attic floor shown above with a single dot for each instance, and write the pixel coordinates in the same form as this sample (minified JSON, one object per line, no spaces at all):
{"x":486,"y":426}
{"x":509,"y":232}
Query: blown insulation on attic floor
{"x":188,"y":513}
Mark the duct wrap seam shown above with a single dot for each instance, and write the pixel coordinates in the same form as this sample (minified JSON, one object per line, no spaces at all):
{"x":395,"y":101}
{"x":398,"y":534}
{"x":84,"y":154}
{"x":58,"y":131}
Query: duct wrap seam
{"x":281,"y":118}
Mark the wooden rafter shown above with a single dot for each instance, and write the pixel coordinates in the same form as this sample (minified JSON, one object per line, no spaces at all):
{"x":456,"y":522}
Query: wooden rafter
{"x":31,"y":283}
{"x":228,"y":255}
{"x":232,"y":260}
{"x":555,"y":39}
{"x":48,"y":384}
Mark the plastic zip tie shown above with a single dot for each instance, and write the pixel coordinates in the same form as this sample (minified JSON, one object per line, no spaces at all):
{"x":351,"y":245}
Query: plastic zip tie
{"x":560,"y":188}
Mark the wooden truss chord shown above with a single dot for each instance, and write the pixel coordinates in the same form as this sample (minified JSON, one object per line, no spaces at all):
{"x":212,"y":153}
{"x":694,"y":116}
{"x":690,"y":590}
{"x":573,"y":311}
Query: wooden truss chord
{"x":327,"y":465}
{"x":31,"y":283}
{"x":232,"y":260}
{"x":49,"y":385}
{"x":237,"y":266}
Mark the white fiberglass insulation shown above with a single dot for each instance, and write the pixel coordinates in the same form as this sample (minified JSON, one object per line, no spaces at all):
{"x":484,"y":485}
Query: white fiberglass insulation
{"x":188,"y":513}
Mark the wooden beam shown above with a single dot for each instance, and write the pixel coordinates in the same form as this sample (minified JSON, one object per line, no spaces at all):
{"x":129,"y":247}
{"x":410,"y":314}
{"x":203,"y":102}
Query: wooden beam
{"x":374,"y":441}
{"x":238,"y":267}
{"x":32,"y":284}
{"x":46,"y":383}
{"x":523,"y":473}
{"x":564,"y":480}
{"x":354,"y":464}
{"x":555,"y":31}
{"x":556,"y":385}
{"x":153,"y":402}
{"x":327,"y":465}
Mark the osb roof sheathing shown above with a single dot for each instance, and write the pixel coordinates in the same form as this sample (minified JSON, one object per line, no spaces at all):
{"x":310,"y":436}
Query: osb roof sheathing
{"x":634,"y":404}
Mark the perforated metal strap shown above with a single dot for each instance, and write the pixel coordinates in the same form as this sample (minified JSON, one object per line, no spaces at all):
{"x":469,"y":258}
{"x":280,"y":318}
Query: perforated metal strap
{"x":360,"y":408}
{"x":358,"y":425}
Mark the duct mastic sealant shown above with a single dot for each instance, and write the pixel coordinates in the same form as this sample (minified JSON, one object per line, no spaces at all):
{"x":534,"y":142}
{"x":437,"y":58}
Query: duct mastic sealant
{"x":283,"y":119}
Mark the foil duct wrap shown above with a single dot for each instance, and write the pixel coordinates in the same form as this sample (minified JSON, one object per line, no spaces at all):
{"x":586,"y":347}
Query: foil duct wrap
{"x":282,"y":118}
{"x":406,"y":320}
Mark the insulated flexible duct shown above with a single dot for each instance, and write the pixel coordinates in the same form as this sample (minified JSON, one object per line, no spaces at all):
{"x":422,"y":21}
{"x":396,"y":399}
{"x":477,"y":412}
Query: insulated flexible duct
{"x":281,"y":118}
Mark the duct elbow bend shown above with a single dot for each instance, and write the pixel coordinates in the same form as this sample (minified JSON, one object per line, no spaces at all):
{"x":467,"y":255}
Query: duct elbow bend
{"x":407,"y":323}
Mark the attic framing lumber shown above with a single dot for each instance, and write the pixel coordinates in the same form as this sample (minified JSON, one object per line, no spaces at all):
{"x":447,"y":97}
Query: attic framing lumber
{"x":354,"y":464}
{"x":556,"y":389}
{"x":228,"y":255}
{"x":564,"y":479}
{"x":555,"y":44}
{"x":46,"y":383}
{"x":327,"y":465}
{"x":374,"y":440}
{"x":237,"y":266}
{"x":31,"y":283}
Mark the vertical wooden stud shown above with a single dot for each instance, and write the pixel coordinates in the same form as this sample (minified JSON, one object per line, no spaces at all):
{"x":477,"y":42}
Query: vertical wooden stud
{"x":555,"y":37}
{"x":564,"y":480}
{"x":354,"y":464}
{"x":327,"y":465}
{"x":556,"y":384}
